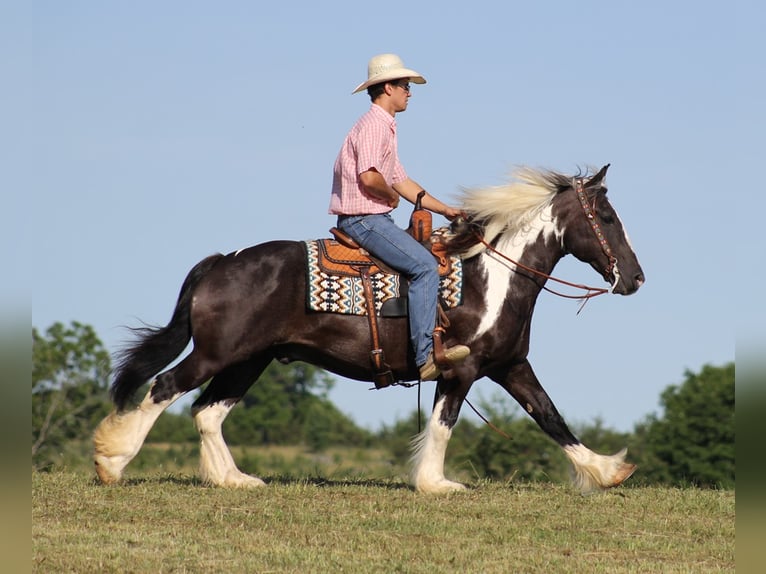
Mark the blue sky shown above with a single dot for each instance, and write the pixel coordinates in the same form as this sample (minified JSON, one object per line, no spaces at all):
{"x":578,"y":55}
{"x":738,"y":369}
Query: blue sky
{"x":140,"y":137}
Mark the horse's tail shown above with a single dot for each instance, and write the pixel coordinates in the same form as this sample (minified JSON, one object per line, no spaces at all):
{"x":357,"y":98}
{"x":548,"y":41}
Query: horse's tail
{"x":156,"y":347}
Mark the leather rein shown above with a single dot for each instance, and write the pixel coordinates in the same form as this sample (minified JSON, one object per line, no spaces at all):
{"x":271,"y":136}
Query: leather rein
{"x":579,"y":186}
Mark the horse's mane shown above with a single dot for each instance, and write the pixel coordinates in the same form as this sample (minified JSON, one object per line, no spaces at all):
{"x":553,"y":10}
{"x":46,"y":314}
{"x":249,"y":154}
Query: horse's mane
{"x":504,"y":209}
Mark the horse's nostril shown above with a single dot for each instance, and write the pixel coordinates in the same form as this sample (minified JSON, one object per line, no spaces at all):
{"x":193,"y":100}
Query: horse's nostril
{"x":639,"y":279}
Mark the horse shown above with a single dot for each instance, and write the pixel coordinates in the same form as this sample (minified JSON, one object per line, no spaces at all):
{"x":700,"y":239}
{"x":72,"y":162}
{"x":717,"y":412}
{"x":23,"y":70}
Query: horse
{"x":247,"y":308}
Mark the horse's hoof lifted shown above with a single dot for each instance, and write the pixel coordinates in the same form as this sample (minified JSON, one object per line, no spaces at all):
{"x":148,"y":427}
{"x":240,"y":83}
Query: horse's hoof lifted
{"x":594,"y":472}
{"x":624,"y":472}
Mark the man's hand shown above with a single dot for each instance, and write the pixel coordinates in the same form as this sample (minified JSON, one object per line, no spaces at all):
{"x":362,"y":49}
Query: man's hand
{"x":451,"y":212}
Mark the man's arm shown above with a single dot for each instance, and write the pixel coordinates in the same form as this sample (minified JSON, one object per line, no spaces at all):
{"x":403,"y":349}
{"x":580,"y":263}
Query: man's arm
{"x":409,"y":190}
{"x":375,"y":185}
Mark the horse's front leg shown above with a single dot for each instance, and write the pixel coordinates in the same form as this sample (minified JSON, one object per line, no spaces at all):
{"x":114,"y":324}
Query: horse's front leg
{"x":592,"y":471}
{"x":430,"y":446}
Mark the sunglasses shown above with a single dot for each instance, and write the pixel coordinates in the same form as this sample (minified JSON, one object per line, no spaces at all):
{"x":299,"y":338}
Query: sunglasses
{"x":405,"y":86}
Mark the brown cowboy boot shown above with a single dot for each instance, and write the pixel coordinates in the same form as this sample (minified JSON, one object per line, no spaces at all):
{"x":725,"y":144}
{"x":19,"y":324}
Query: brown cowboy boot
{"x":454,"y":355}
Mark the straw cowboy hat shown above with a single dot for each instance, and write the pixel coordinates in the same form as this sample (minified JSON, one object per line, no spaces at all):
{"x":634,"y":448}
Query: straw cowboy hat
{"x":386,"y":67}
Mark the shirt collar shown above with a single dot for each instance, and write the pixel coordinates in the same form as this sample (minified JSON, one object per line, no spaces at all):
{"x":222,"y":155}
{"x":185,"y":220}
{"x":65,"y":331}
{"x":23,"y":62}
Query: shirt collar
{"x":384,"y":115}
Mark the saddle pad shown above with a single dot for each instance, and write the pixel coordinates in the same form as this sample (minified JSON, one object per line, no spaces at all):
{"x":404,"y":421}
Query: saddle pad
{"x":343,"y":291}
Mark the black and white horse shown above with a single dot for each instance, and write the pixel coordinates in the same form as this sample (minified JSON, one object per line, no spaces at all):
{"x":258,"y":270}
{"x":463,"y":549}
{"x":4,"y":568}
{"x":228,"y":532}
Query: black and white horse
{"x":245,"y":309}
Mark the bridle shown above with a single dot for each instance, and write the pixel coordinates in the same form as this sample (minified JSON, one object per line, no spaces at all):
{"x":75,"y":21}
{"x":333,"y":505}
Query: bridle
{"x":590,"y":213}
{"x":578,"y":184}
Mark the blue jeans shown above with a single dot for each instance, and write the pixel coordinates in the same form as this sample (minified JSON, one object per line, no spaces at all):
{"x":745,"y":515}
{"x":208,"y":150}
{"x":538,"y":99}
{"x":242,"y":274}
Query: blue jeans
{"x":379,"y":235}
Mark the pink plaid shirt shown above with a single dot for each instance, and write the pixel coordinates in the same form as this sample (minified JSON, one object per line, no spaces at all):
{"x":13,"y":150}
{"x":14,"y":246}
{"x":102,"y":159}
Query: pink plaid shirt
{"x":371,"y":143}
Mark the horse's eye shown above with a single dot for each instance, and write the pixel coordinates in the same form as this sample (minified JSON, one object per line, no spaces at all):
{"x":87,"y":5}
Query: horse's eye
{"x":606,"y":217}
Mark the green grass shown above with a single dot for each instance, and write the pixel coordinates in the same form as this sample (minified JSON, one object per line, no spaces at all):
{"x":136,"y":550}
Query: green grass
{"x":172,"y":523}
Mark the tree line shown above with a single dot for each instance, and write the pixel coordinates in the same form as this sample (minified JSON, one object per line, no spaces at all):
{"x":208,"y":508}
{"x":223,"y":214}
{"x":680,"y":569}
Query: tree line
{"x":690,"y":443}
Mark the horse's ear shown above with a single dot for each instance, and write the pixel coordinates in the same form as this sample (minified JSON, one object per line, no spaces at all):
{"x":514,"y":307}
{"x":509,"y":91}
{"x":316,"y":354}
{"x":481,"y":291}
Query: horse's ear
{"x":599,"y":177}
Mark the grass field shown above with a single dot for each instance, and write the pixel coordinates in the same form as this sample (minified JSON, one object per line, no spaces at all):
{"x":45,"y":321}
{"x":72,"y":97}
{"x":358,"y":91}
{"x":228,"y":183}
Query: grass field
{"x":172,"y":523}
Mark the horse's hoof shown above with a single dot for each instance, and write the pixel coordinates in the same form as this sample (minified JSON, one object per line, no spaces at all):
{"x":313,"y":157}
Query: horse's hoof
{"x":105,"y":471}
{"x":441,"y":487}
{"x":241,"y":480}
{"x":624,"y":472}
{"x":249,"y":482}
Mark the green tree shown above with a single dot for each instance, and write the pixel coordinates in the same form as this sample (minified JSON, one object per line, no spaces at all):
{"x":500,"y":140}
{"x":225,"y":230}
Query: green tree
{"x":174,"y":428}
{"x":398,"y":437}
{"x":324,"y":425}
{"x":289,"y":405}
{"x":602,"y":439}
{"x":70,"y":378}
{"x":528,"y":455}
{"x":693,"y":441}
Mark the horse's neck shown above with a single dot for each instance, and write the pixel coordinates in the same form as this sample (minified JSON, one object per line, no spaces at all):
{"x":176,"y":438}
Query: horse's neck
{"x":538,"y":247}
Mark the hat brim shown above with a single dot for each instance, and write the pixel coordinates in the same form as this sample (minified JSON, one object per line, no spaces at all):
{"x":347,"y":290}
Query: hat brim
{"x":400,"y":74}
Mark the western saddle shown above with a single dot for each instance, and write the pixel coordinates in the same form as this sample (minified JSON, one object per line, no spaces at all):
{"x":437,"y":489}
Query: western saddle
{"x":345,"y":254}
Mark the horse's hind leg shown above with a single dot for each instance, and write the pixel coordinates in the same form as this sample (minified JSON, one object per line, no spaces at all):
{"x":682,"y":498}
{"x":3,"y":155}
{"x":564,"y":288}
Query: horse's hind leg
{"x":119,"y":437}
{"x":592,"y":471}
{"x":217,"y":466}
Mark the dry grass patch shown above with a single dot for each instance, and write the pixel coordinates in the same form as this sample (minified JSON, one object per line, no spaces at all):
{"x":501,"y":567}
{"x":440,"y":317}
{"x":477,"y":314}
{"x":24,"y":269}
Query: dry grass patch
{"x":172,"y":523}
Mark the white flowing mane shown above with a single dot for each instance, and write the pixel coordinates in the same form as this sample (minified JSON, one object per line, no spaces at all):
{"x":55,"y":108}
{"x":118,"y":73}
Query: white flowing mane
{"x":507,"y":209}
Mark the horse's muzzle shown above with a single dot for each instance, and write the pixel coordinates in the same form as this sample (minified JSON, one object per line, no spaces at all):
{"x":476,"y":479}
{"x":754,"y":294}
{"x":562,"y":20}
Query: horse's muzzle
{"x":627,"y":285}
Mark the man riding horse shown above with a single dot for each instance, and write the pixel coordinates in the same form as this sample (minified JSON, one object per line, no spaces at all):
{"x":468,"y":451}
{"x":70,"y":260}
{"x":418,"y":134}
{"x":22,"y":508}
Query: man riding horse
{"x":368,"y":180}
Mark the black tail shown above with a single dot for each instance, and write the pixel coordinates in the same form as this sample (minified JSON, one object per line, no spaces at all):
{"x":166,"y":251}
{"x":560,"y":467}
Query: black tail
{"x":156,"y":347}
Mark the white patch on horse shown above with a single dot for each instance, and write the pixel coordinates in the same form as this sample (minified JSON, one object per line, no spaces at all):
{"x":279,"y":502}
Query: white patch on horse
{"x":499,"y":273}
{"x":625,"y":233}
{"x":428,"y":450}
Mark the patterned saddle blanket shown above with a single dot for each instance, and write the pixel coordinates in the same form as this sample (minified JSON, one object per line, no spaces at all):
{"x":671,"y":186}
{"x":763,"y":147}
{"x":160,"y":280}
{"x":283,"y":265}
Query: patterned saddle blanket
{"x":334,"y":284}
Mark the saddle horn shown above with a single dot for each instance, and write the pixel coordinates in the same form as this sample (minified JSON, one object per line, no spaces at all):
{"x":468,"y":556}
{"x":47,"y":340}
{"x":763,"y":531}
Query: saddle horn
{"x":421,"y":221}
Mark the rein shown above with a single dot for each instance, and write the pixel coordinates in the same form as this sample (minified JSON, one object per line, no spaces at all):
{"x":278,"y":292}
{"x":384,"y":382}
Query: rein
{"x":590,"y":291}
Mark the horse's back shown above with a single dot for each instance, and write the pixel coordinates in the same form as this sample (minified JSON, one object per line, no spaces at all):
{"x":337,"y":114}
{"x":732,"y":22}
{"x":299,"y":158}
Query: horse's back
{"x":276,"y":247}
{"x":272,"y":271}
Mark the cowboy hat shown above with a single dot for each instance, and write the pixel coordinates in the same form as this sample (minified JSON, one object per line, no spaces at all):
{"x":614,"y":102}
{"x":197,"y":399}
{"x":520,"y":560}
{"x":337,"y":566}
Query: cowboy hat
{"x":386,"y":67}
